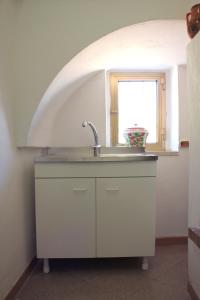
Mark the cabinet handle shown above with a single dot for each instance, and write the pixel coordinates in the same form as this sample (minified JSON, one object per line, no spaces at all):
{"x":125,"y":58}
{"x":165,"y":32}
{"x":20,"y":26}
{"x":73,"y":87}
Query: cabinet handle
{"x":79,"y":190}
{"x":115,"y":189}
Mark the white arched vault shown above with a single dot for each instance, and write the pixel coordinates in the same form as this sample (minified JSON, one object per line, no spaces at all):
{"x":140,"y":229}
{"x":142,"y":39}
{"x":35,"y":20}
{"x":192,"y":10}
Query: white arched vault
{"x":152,"y":45}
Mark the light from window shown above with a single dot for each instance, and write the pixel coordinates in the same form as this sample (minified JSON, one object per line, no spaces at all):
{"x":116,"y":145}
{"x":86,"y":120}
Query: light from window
{"x":138,"y":99}
{"x":137,"y":105}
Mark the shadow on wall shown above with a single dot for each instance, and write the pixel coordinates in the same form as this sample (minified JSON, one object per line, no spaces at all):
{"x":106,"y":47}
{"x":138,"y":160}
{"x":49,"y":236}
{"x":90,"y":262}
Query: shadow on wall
{"x":137,"y":47}
{"x":6,"y":147}
{"x":40,"y":133}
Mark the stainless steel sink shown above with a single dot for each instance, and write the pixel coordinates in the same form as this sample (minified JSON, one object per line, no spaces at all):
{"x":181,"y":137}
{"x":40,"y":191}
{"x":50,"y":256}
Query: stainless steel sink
{"x":122,"y":154}
{"x":85,"y":154}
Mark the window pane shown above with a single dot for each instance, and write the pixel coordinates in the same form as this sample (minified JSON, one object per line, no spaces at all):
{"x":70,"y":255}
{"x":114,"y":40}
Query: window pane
{"x":137,"y":104}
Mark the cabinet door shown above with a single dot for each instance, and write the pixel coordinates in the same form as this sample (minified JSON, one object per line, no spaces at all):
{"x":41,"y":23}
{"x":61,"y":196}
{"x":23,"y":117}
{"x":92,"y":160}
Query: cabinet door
{"x":125,"y":216}
{"x":65,"y":217}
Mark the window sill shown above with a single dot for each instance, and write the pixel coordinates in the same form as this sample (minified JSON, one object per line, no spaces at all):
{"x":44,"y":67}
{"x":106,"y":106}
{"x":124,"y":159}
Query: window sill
{"x":164,"y":153}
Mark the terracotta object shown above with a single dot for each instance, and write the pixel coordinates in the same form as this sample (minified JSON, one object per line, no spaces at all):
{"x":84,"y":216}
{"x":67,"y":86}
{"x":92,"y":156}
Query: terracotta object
{"x":193,"y":20}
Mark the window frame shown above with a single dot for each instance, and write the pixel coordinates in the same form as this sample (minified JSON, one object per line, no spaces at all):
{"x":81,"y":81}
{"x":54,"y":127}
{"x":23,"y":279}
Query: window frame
{"x":115,"y":77}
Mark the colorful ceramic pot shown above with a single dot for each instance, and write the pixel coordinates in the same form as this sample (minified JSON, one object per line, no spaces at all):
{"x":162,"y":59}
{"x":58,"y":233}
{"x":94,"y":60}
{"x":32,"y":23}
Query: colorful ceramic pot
{"x":135,"y":136}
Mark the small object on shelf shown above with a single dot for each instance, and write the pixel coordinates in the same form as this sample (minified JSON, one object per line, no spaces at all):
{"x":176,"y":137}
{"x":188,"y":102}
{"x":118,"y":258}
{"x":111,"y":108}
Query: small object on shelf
{"x":193,"y":20}
{"x":135,"y":136}
{"x":184,"y":144}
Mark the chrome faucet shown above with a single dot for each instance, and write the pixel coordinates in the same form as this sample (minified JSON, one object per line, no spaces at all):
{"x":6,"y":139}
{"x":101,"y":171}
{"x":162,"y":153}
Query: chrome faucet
{"x":96,"y":146}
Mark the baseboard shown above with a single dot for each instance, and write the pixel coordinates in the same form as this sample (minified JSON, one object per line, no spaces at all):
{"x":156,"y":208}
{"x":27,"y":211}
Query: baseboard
{"x":174,"y":240}
{"x":192,"y":292}
{"x":12,"y":294}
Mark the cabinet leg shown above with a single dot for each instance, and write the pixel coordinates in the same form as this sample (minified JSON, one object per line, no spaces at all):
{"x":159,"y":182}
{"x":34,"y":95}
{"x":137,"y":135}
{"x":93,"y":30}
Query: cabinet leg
{"x":46,"y":268}
{"x":145,"y":264}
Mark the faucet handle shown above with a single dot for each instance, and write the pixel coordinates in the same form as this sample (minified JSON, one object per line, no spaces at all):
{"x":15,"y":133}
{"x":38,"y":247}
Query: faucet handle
{"x":84,"y":124}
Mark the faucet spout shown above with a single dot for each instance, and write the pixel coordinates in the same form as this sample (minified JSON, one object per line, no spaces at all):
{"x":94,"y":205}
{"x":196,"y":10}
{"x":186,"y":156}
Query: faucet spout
{"x":96,"y":146}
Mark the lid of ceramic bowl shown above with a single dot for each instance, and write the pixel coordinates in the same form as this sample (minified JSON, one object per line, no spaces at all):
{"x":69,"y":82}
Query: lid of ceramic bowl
{"x":135,"y":129}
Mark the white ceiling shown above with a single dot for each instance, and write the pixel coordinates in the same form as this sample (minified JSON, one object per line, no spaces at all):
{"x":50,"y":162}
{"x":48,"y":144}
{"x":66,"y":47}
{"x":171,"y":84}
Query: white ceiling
{"x":149,"y":45}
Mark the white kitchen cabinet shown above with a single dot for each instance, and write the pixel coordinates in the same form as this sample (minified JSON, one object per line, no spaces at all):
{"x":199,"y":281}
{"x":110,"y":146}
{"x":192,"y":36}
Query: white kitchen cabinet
{"x":65,"y":217}
{"x":95,"y":209}
{"x":125,"y":216}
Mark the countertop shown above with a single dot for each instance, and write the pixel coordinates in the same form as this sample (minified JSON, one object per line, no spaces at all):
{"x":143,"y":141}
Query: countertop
{"x":101,"y":158}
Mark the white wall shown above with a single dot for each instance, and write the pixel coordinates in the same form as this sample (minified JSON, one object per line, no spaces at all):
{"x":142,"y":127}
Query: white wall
{"x":172,"y":180}
{"x":194,"y":159}
{"x":50,"y":34}
{"x":16,"y":176}
{"x":183,"y":103}
{"x":172,"y":195}
{"x":86,"y":103}
{"x":172,"y":128}
{"x":194,"y":129}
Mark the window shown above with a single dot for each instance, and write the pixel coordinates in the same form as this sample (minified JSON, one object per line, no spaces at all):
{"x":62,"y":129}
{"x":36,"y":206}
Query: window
{"x":138,"y":99}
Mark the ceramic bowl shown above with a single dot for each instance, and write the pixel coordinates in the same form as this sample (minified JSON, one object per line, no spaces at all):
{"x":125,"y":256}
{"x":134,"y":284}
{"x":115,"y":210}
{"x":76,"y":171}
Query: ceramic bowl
{"x":135,"y":136}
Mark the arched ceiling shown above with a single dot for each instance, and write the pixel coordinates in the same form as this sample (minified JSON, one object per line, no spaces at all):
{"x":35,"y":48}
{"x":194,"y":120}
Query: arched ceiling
{"x":153,"y":45}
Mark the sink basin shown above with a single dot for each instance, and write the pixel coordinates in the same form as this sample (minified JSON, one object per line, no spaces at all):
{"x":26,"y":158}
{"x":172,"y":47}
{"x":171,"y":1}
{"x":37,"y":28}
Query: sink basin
{"x":85,"y":154}
{"x":122,"y":154}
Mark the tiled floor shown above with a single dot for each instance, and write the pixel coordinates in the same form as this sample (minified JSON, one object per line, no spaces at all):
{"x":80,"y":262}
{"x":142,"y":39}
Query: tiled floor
{"x":112,"y":279}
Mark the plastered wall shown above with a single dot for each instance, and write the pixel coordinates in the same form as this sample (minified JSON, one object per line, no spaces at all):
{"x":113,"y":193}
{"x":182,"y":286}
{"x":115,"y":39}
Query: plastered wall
{"x":86,"y":103}
{"x":194,"y":165}
{"x":17,"y":234}
{"x":49,"y":33}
